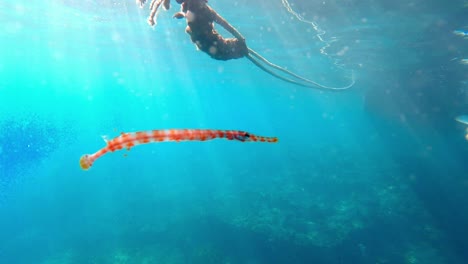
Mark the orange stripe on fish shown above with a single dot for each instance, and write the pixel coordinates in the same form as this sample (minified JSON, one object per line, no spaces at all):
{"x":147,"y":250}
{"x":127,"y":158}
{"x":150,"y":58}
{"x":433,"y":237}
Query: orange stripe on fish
{"x":129,"y":140}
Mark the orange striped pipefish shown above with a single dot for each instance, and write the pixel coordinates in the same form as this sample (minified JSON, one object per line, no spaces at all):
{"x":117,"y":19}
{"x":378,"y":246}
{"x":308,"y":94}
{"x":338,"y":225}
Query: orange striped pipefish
{"x":129,"y":140}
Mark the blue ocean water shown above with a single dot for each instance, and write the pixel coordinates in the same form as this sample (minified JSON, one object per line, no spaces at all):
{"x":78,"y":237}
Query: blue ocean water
{"x":377,"y":173}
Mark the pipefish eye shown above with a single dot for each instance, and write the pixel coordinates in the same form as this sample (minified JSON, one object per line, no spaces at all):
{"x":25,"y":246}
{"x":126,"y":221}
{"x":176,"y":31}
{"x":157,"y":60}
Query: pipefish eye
{"x":243,"y":137}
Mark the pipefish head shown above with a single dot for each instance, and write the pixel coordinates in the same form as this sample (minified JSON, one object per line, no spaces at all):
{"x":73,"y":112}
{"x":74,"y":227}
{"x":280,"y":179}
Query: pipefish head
{"x":86,"y":162}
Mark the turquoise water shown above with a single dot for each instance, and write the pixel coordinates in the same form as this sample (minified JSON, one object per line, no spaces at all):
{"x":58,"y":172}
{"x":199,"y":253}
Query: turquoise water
{"x":373,"y":174}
